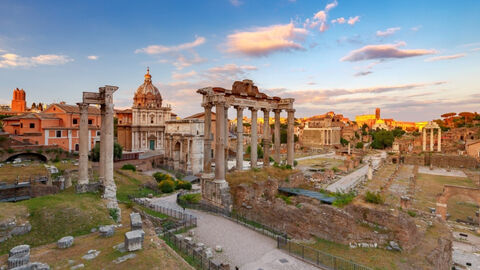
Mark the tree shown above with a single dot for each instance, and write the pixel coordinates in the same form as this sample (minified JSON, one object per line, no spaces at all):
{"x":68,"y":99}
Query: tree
{"x":117,"y":152}
{"x":398,"y":132}
{"x":343,"y":141}
{"x":359,"y":145}
{"x":382,"y":139}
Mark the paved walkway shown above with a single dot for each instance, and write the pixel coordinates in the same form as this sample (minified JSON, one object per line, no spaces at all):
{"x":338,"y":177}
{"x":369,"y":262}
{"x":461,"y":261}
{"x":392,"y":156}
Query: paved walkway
{"x":242,"y":247}
{"x":327,"y":155}
{"x":441,"y":171}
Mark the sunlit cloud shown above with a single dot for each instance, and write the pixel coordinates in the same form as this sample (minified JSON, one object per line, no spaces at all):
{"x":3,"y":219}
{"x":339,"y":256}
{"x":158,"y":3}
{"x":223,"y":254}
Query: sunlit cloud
{"x":183,"y":61}
{"x":162,"y":49}
{"x":445,"y":57}
{"x":384,"y":51}
{"x":263,"y":41}
{"x":388,"y":32}
{"x":353,"y":20}
{"x":183,"y":76}
{"x":9,"y":60}
{"x":92,"y":57}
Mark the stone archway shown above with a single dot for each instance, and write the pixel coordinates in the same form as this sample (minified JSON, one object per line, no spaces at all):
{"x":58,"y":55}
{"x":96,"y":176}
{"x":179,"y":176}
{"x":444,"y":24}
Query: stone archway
{"x":449,"y":191}
{"x":176,"y":155}
{"x":27,"y":156}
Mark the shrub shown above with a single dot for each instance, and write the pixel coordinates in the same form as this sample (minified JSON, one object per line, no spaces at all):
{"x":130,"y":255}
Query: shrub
{"x":10,"y":150}
{"x":335,"y":169}
{"x":184,"y":185}
{"x":286,"y":199}
{"x":129,"y":167}
{"x":191,"y":198}
{"x":295,"y":163}
{"x":39,"y":151}
{"x":159,"y":177}
{"x":412,"y":213}
{"x":342,"y":199}
{"x":289,"y":167}
{"x":373,"y":197}
{"x":167,"y":186}
{"x":114,"y":213}
{"x":359,"y":145}
{"x":56,"y":159}
{"x":179,"y":175}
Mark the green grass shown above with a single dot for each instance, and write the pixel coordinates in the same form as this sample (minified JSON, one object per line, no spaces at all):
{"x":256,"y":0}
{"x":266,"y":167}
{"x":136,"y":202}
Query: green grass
{"x":151,"y":212}
{"x":55,"y":216}
{"x":342,"y":199}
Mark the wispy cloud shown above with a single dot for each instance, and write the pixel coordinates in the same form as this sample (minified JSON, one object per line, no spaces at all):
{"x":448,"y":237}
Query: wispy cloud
{"x":162,"y":49}
{"x":183,"y":61}
{"x":236,"y":2}
{"x":387,"y":32}
{"x":416,"y":28}
{"x":230,"y":70}
{"x":445,"y":57}
{"x":9,"y":60}
{"x":92,"y":57}
{"x":475,"y":49}
{"x":384,"y":51}
{"x":263,"y":41}
{"x":362,"y":73}
{"x":353,"y":20}
{"x":183,"y":76}
{"x":319,"y":19}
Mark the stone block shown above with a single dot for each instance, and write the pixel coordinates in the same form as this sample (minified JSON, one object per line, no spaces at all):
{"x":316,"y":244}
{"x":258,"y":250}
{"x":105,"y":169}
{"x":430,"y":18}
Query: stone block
{"x":78,"y":266}
{"x":107,"y":231}
{"x":200,"y":245}
{"x":134,"y":240}
{"x":18,"y":260}
{"x":188,"y":240}
{"x":135,"y":221}
{"x":19,"y":250}
{"x":218,"y":248}
{"x":33,"y":266}
{"x":208,"y":253}
{"x":124,"y":258}
{"x":91,"y":254}
{"x":65,"y":242}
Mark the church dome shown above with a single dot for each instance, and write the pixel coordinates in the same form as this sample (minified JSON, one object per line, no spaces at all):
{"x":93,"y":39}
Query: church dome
{"x":147,"y":95}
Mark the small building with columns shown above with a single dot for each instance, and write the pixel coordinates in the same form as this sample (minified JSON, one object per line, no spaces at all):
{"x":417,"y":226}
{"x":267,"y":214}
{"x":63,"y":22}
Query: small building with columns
{"x":432,"y":126}
{"x":243,"y":95}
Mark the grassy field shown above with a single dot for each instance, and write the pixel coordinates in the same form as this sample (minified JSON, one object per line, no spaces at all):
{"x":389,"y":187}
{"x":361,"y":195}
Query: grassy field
{"x":55,"y":216}
{"x":461,"y":207}
{"x":9,"y":173}
{"x":321,"y":163}
{"x":429,"y":186}
{"x":154,"y":255}
{"x":130,"y":183}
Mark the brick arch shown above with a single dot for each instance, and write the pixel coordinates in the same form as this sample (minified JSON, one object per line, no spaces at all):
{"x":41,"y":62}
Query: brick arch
{"x":448,"y":192}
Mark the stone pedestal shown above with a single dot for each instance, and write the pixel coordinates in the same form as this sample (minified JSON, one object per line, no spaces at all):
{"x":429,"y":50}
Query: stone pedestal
{"x":107,"y":231}
{"x":65,"y":242}
{"x":215,"y":192}
{"x":134,"y":240}
{"x":135,"y":221}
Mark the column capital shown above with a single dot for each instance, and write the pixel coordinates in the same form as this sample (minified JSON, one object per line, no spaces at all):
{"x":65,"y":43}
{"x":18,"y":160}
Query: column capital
{"x":238,"y":107}
{"x":277,"y":110}
{"x":83,"y":106}
{"x":290,"y":110}
{"x":253,"y":109}
{"x":207,"y":106}
{"x":265,"y":110}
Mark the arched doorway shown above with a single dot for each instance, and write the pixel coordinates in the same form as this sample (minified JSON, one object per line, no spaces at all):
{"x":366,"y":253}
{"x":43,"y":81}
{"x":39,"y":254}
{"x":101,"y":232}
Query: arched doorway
{"x":176,"y":156}
{"x":27,"y":156}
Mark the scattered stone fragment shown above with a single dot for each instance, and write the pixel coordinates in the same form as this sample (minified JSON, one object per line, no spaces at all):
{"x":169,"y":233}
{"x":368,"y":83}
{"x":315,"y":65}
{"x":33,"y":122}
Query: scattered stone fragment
{"x":120,"y":247}
{"x":70,"y":262}
{"x":200,"y":245}
{"x":394,"y":246}
{"x":65,"y":242}
{"x":19,"y":250}
{"x":91,"y":254}
{"x":135,"y":221}
{"x":33,"y":266}
{"x":208,"y":253}
{"x":191,"y":233}
{"x":107,"y":231}
{"x":18,"y":260}
{"x":189,"y":240}
{"x":78,"y":266}
{"x":93,"y":230}
{"x":218,"y":248}
{"x":134,"y":240}
{"x":124,"y":258}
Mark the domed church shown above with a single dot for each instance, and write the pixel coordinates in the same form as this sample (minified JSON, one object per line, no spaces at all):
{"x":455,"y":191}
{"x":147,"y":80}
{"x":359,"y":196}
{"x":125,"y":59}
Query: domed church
{"x":149,"y":117}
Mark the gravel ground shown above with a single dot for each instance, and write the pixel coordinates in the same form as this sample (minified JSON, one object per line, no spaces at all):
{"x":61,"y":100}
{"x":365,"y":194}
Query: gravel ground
{"x":242,"y":247}
{"x":441,"y":171}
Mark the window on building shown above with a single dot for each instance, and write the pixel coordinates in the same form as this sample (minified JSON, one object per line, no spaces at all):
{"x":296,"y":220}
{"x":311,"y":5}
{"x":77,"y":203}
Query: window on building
{"x":21,"y":125}
{"x":77,"y":147}
{"x":90,"y":121}
{"x":59,"y":134}
{"x":151,"y":119}
{"x":75,"y":121}
{"x":32,"y":125}
{"x":98,"y":133}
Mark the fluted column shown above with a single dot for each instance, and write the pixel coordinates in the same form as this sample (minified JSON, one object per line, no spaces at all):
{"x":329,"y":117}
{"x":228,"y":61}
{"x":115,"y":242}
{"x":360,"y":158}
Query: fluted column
{"x":424,"y":143}
{"x":431,"y":139}
{"x":101,"y":164}
{"x":227,"y":133}
{"x":110,"y":193}
{"x":83,"y":145}
{"x":220,"y":142}
{"x":239,"y":164}
{"x":266,"y":137}
{"x":290,"y":136}
{"x":253,"y":142}
{"x":439,"y":140}
{"x":277,"y":136}
{"x":207,"y":139}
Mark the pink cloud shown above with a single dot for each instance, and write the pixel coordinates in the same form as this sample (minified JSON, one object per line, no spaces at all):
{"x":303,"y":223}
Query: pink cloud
{"x":384,"y":51}
{"x":161,"y":49}
{"x":265,"y":40}
{"x":445,"y":57}
{"x":340,"y":20}
{"x":388,"y":32}
{"x":353,"y":20}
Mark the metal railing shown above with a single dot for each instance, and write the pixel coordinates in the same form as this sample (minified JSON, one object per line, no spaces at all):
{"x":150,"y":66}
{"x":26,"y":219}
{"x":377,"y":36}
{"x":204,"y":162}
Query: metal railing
{"x":317,"y":257}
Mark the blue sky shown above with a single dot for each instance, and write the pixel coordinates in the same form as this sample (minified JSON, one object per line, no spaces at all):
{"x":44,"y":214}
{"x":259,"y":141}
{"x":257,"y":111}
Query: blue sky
{"x":414,"y":59}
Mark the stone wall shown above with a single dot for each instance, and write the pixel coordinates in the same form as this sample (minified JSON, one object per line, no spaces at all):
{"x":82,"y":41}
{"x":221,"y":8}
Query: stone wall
{"x":443,"y":161}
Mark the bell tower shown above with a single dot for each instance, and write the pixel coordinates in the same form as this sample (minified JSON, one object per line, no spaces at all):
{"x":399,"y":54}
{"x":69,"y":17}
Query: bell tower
{"x":19,"y":103}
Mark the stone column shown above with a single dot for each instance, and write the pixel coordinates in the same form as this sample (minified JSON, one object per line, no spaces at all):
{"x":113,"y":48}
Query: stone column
{"x":207,"y":140}
{"x":290,"y":136}
{"x":253,"y":135}
{"x":101,"y":164}
{"x":266,"y":137}
{"x":239,"y":164}
{"x":424,"y":144}
{"x":277,"y":135}
{"x":110,"y":193}
{"x":83,"y":145}
{"x":227,"y":133}
{"x":220,"y":142}
{"x":431,"y":139}
{"x":439,"y":140}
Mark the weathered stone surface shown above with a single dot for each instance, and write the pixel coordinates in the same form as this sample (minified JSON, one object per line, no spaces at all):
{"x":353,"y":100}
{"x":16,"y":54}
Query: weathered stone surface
{"x":19,"y":251}
{"x":135,"y":221}
{"x":208,"y":253}
{"x":120,"y":247}
{"x":107,"y":231}
{"x":65,"y":242}
{"x":124,"y":258}
{"x":218,"y":248}
{"x":18,"y":260}
{"x":78,"y":266}
{"x":88,"y":187}
{"x":33,"y":266}
{"x":134,"y":240}
{"x":91,"y":254}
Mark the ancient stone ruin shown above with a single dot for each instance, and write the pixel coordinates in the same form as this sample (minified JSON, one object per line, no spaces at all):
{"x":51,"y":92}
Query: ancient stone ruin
{"x":244,"y":94}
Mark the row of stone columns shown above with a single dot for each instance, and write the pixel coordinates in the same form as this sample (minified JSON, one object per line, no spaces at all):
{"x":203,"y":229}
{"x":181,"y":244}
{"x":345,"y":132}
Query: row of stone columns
{"x":439,"y":141}
{"x":327,"y":137}
{"x":221,"y":141}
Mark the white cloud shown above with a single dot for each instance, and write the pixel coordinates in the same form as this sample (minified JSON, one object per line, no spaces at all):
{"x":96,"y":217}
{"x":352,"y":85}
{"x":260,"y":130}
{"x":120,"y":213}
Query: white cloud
{"x":182,"y":61}
{"x":92,"y":57}
{"x":331,"y":5}
{"x":340,"y":20}
{"x":384,"y":51}
{"x":416,"y":28}
{"x":182,"y":76}
{"x":162,"y":49}
{"x":388,"y":32}
{"x":14,"y":60}
{"x":445,"y":57}
{"x":353,"y":20}
{"x":262,"y":41}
